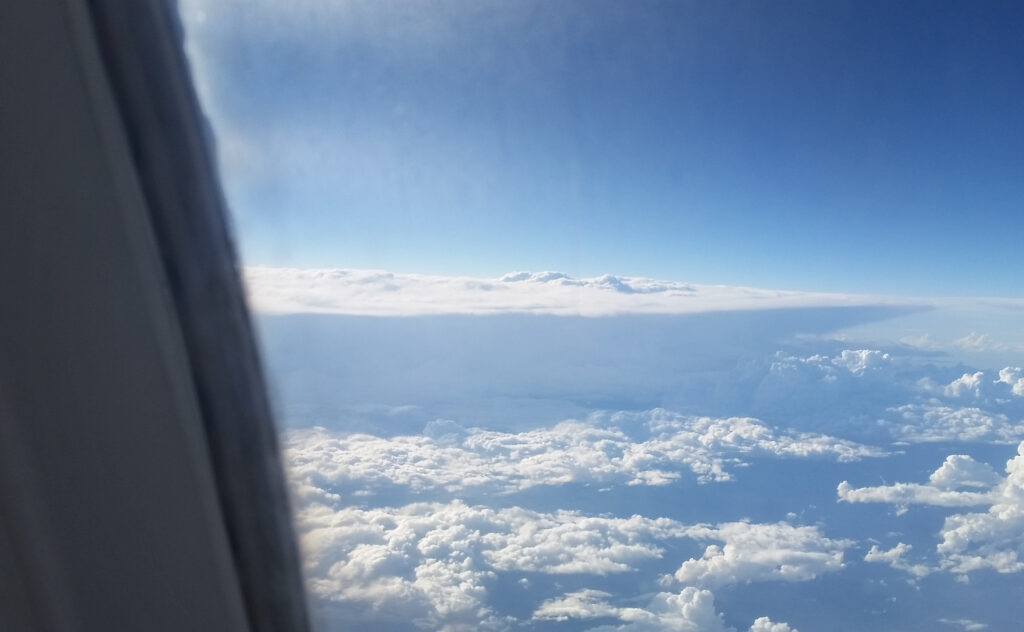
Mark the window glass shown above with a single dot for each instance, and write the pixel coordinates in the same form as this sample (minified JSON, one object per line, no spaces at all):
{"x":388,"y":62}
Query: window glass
{"x":636,"y":315}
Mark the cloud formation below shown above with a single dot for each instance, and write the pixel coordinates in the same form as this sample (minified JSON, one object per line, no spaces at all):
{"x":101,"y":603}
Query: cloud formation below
{"x":993,"y":539}
{"x":896,"y":557}
{"x":933,"y":422}
{"x":497,"y":520}
{"x":650,"y":448}
{"x":435,"y":562}
{"x":977,"y":343}
{"x":690,"y":610}
{"x":760,"y":552}
{"x":944,"y":489}
{"x":970,"y":542}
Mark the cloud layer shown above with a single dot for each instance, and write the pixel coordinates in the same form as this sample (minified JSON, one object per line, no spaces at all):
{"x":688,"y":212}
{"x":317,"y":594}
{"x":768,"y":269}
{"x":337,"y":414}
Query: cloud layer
{"x":650,"y":448}
{"x":434,"y":562}
{"x":515,"y":511}
{"x":379,"y":293}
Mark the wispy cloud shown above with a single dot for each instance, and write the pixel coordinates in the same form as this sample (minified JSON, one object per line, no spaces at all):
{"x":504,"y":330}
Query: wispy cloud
{"x":984,"y":342}
{"x":968,"y":625}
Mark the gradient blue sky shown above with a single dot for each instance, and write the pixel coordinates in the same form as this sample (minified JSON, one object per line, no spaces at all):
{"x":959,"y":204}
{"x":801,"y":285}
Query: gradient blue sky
{"x":844,"y":146}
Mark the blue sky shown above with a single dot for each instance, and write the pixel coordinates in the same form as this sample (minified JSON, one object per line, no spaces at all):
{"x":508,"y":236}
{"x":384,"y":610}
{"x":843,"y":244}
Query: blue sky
{"x":862,"y":146}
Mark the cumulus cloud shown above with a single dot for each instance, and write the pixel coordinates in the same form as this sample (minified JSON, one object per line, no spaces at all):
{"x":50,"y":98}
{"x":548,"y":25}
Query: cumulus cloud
{"x":945,"y":488}
{"x":968,"y":383}
{"x":977,"y":406}
{"x":823,"y":369}
{"x":931,"y":422}
{"x":760,"y":552}
{"x":649,"y":448}
{"x":1013,"y":377}
{"x":379,"y":293}
{"x":690,"y":610}
{"x":909,"y":401}
{"x":960,"y":470}
{"x":764,"y":624}
{"x":838,"y":390}
{"x":896,"y":557}
{"x":1001,"y":388}
{"x":583,"y":604}
{"x":433,"y":562}
{"x":860,"y":361}
{"x":993,"y":539}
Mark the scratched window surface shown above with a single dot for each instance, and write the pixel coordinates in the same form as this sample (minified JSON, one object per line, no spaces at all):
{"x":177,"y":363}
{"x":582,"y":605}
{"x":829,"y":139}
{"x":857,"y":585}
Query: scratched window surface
{"x":636,"y":315}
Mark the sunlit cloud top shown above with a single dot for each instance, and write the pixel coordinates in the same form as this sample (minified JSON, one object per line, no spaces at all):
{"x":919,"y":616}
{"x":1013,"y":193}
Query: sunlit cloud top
{"x":380,"y":293}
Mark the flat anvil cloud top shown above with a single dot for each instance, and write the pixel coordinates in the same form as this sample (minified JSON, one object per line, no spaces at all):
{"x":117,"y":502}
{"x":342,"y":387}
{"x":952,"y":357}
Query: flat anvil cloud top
{"x":380,"y":293}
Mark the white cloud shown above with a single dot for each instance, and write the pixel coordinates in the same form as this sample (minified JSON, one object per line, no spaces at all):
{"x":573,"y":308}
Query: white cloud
{"x":569,"y":542}
{"x":839,"y":391}
{"x":960,"y":470}
{"x":603,"y":449}
{"x":976,"y":342}
{"x":859,"y":361}
{"x":967,"y":625}
{"x":930,"y":422}
{"x":374,"y":292}
{"x":968,"y":383}
{"x":583,"y":604}
{"x":905,"y":494}
{"x":993,"y":539}
{"x":1008,"y":384}
{"x":760,"y":552}
{"x":690,"y":610}
{"x":945,"y":488}
{"x":764,"y":624}
{"x":896,"y":557}
{"x":1014,"y":378}
{"x":849,"y":363}
{"x":911,"y":402}
{"x":433,"y":562}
